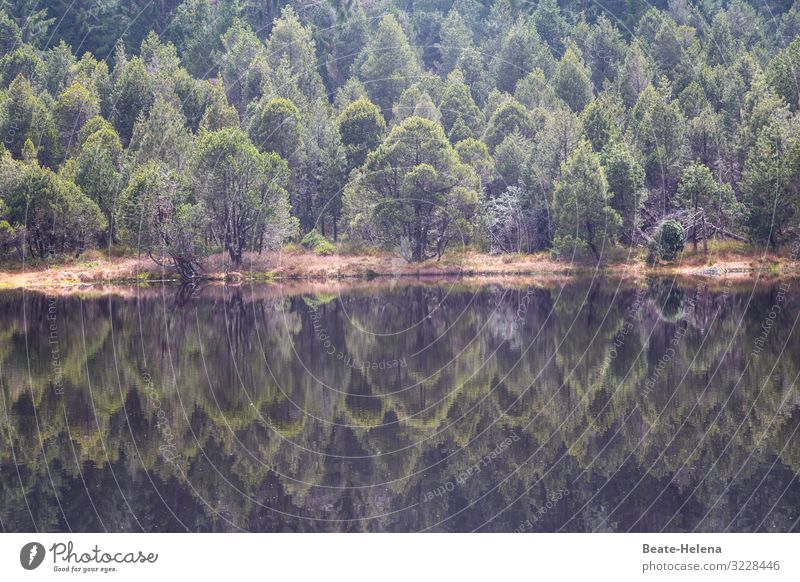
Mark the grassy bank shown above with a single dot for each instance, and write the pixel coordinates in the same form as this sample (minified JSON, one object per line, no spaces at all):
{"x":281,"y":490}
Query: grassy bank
{"x":723,"y":259}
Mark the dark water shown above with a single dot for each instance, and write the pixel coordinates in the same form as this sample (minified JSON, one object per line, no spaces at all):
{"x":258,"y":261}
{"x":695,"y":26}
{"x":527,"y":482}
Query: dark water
{"x":410,"y":406}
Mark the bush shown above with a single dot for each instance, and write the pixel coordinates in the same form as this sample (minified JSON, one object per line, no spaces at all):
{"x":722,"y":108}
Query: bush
{"x":569,"y":247}
{"x":325,"y":248}
{"x":652,"y":253}
{"x":6,"y":232}
{"x":670,"y":238}
{"x":314,"y":241}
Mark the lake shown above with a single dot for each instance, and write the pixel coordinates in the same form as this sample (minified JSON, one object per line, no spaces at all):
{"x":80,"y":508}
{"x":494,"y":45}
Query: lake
{"x":403,"y":405}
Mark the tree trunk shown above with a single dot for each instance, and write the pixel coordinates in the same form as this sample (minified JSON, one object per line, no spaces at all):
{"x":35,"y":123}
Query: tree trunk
{"x":705,"y":235}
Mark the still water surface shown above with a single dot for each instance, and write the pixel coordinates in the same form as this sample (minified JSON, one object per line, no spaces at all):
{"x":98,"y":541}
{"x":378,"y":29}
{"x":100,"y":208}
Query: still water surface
{"x":403,"y":406}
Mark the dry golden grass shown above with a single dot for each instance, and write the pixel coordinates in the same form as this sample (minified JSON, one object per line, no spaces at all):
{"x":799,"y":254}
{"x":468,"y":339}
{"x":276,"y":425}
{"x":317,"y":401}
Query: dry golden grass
{"x":725,"y":258}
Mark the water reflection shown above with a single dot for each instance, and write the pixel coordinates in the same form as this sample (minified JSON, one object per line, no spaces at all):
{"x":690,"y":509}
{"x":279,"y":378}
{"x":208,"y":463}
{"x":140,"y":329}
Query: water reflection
{"x":448,"y":406}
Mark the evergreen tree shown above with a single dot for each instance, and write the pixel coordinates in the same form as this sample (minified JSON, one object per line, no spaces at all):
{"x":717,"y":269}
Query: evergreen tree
{"x":461,"y":117}
{"x":23,"y":117}
{"x":243,"y":193}
{"x":132,"y":95}
{"x":770,"y":185}
{"x":53,"y":213}
{"x":625,"y":177}
{"x":508,"y":118}
{"x":361,"y":127}
{"x":414,"y":193}
{"x":784,"y":74}
{"x":157,"y":216}
{"x":30,"y":20}
{"x":696,"y":190}
{"x":388,"y":64}
{"x":276,"y":128}
{"x":162,"y":136}
{"x":73,"y":109}
{"x":98,"y":170}
{"x":521,"y":52}
{"x":571,"y":81}
{"x":583,"y":216}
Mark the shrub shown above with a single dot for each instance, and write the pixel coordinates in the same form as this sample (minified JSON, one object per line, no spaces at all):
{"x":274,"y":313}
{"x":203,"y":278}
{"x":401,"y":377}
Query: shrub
{"x":569,"y":247}
{"x":652,"y":253}
{"x":314,"y":241}
{"x":6,"y":232}
{"x":325,"y":248}
{"x":670,"y":238}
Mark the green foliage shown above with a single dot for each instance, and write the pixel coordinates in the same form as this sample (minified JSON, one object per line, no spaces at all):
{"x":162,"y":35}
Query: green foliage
{"x":584,"y":219}
{"x":456,"y":38}
{"x":414,"y":193}
{"x":669,"y":240}
{"x":660,"y":134}
{"x":511,"y":158}
{"x":461,"y":117}
{"x":521,"y":52}
{"x":276,"y":128}
{"x":784,"y":74}
{"x":414,"y":101}
{"x":132,"y":95}
{"x":218,"y":114}
{"x":635,"y":75}
{"x":99,"y":173}
{"x":698,"y":190}
{"x":24,"y":116}
{"x":510,"y":117}
{"x":603,"y":120}
{"x":625,"y":178}
{"x":605,"y":51}
{"x":571,"y":81}
{"x":771,"y":185}
{"x":314,"y":241}
{"x":30,"y":20}
{"x":52,"y":211}
{"x":291,"y":45}
{"x":243,"y":65}
{"x":475,"y":154}
{"x":243,"y":192}
{"x":388,"y":64}
{"x":10,"y":34}
{"x":157,"y":216}
{"x":653,"y":253}
{"x":348,"y":40}
{"x":658,"y":92}
{"x":23,"y":61}
{"x":197,"y":29}
{"x":74,"y":107}
{"x":361,"y":127}
{"x":162,"y":136}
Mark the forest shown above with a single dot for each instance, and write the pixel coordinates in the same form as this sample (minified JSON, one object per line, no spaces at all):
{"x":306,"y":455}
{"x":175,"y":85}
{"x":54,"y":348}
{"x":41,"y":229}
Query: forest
{"x":181,"y":129}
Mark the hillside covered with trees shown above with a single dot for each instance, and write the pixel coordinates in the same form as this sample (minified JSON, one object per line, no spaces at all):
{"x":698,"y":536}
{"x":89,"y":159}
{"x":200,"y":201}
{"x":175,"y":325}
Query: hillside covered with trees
{"x":184,"y":128}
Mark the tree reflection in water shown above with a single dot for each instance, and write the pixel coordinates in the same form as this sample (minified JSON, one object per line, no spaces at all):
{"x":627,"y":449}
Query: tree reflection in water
{"x":632,"y":406}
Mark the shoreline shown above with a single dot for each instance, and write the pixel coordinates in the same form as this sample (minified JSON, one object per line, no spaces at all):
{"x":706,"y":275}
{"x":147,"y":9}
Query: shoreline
{"x":296,"y":266}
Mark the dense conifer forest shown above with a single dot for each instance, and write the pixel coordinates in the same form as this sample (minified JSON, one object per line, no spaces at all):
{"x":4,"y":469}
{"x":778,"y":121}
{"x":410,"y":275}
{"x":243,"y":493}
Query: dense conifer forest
{"x":181,"y":129}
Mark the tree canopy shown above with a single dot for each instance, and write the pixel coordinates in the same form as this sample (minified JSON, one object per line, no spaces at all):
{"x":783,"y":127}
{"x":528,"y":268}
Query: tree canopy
{"x":536,"y":109}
